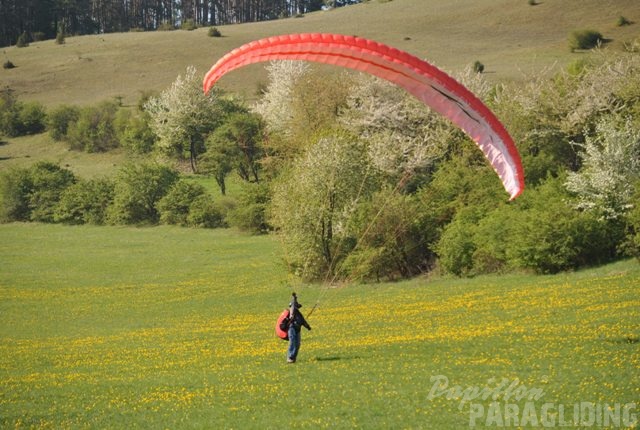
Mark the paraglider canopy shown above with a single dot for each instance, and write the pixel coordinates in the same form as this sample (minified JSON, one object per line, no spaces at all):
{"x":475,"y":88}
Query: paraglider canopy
{"x":429,"y":84}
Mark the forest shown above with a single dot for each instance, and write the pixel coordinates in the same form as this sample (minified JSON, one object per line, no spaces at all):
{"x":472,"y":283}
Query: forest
{"x":44,"y":19}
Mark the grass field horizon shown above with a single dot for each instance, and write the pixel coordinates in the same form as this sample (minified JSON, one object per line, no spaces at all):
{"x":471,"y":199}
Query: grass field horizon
{"x":122,"y":327}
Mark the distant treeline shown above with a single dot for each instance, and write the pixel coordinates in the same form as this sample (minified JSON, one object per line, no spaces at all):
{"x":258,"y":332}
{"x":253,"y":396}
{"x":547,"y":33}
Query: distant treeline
{"x":43,"y":19}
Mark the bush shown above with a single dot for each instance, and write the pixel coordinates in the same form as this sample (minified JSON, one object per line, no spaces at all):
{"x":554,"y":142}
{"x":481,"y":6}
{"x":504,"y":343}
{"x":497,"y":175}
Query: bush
{"x":549,"y":235}
{"x":166,"y":26}
{"x":138,"y":189}
{"x":47,"y":182}
{"x":188,"y":24}
{"x":19,"y":119}
{"x":214,"y":32}
{"x":584,"y":39}
{"x":250,"y":214}
{"x":60,"y":119}
{"x":133,"y":131}
{"x":38,"y":36}
{"x":456,"y":246}
{"x":478,"y":67}
{"x":85,"y":202}
{"x":15,"y":185}
{"x":60,"y":38}
{"x":206,"y":213}
{"x":8,"y":65}
{"x":32,"y":118}
{"x":174,"y":206}
{"x":94,"y":130}
{"x":622,"y":21}
{"x":23,"y":40}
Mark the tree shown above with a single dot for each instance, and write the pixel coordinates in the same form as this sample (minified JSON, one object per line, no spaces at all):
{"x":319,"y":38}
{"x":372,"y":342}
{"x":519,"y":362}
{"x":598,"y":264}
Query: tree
{"x":313,"y":202}
{"x":611,"y":165}
{"x":182,"y":116}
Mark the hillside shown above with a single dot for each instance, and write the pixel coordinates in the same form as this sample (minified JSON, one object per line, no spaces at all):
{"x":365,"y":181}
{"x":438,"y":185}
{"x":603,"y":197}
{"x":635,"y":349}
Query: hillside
{"x":511,"y":38}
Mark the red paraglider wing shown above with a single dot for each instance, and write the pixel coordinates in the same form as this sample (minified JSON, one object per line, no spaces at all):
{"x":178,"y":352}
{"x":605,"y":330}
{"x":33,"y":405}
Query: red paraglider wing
{"x":282,"y":334}
{"x":429,"y":84}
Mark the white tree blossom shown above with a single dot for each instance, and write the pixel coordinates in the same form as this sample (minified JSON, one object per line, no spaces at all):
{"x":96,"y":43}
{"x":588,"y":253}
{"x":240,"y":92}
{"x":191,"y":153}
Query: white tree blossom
{"x":403,"y":135}
{"x":611,"y":164}
{"x":275,"y":106}
{"x":182,"y":115}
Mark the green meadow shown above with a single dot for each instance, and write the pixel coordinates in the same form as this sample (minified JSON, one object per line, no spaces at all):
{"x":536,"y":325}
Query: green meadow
{"x":118,"y":327}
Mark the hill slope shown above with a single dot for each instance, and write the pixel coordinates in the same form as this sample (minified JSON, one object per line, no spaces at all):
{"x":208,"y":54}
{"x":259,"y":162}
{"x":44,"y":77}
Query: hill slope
{"x":508,"y":37}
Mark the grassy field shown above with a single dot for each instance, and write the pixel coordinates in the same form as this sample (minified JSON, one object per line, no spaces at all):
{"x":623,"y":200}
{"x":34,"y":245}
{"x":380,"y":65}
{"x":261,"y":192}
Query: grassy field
{"x":510,"y":37}
{"x":105,"y":327}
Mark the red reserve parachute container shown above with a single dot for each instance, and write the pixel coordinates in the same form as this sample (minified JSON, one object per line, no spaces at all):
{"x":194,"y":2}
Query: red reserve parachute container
{"x":281,"y":325}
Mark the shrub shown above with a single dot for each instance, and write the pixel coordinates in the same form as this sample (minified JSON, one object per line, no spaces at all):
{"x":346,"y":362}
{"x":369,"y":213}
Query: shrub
{"x":478,"y":67}
{"x":456,"y":246}
{"x":214,"y":32}
{"x":23,"y":40}
{"x":174,"y":206}
{"x":15,"y":184}
{"x":166,"y":26}
{"x":133,"y":131}
{"x":60,"y":38}
{"x":60,"y":119}
{"x":38,"y":36}
{"x":94,"y":130}
{"x":622,"y":21}
{"x":8,"y":65}
{"x":47,"y":182}
{"x":32,"y":118}
{"x":188,"y":24}
{"x":138,"y":189}
{"x":584,"y":39}
{"x":85,"y":202}
{"x":205,"y":213}
{"x":250,"y":214}
{"x":19,"y":119}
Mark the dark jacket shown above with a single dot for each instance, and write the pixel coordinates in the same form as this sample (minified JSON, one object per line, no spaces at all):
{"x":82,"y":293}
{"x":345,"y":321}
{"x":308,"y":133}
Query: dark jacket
{"x":298,"y":321}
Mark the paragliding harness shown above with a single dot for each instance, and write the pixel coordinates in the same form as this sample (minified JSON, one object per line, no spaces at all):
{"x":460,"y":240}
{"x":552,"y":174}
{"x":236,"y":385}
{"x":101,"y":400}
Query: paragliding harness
{"x":282,"y":325}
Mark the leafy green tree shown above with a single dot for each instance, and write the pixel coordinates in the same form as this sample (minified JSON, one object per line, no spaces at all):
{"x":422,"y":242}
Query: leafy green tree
{"x":219,"y":159}
{"x":313,"y":202}
{"x":138,"y":189}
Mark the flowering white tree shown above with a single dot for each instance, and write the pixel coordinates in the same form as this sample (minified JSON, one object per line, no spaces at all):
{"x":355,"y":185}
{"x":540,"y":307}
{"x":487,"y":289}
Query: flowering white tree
{"x":611,"y":165}
{"x":402,"y":133}
{"x":276,"y":104}
{"x":182,"y":116}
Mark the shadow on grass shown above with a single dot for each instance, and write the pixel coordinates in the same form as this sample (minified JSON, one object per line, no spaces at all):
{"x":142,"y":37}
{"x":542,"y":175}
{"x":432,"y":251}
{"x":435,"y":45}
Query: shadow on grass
{"x":337,"y":358}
